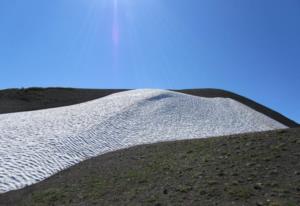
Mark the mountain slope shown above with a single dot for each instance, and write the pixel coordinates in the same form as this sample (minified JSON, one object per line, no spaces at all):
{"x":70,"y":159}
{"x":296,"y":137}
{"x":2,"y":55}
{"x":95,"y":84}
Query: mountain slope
{"x":250,"y":103}
{"x":37,"y":144}
{"x":249,"y":169}
{"x":16,"y":100}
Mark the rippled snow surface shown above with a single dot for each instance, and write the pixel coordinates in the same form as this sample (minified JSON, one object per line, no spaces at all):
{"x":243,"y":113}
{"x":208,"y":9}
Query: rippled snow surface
{"x":35,"y":145}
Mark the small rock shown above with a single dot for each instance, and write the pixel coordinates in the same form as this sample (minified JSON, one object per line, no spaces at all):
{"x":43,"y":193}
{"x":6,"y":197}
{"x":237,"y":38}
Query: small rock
{"x":259,"y":204}
{"x":211,"y":182}
{"x":274,"y":184}
{"x":297,"y":154}
{"x":250,"y":164}
{"x":203,"y":192}
{"x":190,"y":151}
{"x":273,"y":172}
{"x":221,"y":174}
{"x":258,"y":186}
{"x":235,"y":174}
{"x":235,"y":183}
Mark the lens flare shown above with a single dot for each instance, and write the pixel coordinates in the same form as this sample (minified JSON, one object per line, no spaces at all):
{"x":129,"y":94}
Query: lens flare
{"x":115,"y":35}
{"x":115,"y":26}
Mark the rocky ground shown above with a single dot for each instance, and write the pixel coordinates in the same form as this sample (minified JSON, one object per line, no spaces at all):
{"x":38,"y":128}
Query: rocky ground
{"x":249,"y":169}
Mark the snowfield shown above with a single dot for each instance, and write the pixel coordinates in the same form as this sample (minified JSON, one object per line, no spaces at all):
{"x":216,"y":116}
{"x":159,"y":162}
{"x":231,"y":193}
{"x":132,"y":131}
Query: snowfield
{"x":37,"y":144}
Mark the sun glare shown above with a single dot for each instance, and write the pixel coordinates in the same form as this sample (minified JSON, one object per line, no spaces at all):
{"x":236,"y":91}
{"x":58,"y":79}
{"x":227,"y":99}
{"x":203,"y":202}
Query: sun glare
{"x":115,"y":26}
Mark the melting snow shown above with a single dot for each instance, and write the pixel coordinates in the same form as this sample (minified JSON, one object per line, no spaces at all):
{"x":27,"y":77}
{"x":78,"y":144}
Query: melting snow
{"x":35,"y":145}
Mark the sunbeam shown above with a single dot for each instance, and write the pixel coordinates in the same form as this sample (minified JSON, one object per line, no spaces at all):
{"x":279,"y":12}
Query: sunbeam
{"x":115,"y":34}
{"x":115,"y":26}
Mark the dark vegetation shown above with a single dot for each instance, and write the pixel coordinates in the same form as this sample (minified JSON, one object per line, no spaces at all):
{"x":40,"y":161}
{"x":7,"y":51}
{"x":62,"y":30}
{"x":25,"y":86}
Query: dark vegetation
{"x":247,"y":169}
{"x":16,"y":100}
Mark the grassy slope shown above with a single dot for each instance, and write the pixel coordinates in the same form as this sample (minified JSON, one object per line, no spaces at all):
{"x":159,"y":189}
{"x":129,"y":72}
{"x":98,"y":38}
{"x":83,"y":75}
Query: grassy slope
{"x":249,"y":169}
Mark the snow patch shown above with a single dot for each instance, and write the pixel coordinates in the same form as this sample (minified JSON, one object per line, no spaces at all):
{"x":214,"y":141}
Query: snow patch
{"x":37,"y":144}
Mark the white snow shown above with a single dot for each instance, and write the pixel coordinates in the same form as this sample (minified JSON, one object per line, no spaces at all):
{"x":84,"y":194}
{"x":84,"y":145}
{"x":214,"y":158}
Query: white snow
{"x":35,"y":145}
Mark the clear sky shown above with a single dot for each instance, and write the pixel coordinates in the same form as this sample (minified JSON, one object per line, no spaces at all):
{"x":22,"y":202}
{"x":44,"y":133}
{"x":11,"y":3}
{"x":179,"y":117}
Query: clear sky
{"x":251,"y":47}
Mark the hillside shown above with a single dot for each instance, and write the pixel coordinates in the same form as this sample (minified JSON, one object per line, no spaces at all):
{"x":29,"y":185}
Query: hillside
{"x":247,"y":169}
{"x":16,"y":100}
{"x":38,"y":144}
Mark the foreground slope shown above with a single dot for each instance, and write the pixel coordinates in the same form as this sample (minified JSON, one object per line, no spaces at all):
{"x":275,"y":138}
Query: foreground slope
{"x":37,"y":144}
{"x":245,"y":169}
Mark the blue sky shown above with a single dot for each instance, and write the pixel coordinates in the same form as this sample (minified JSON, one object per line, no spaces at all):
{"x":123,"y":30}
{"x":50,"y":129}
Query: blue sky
{"x":251,"y":47}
